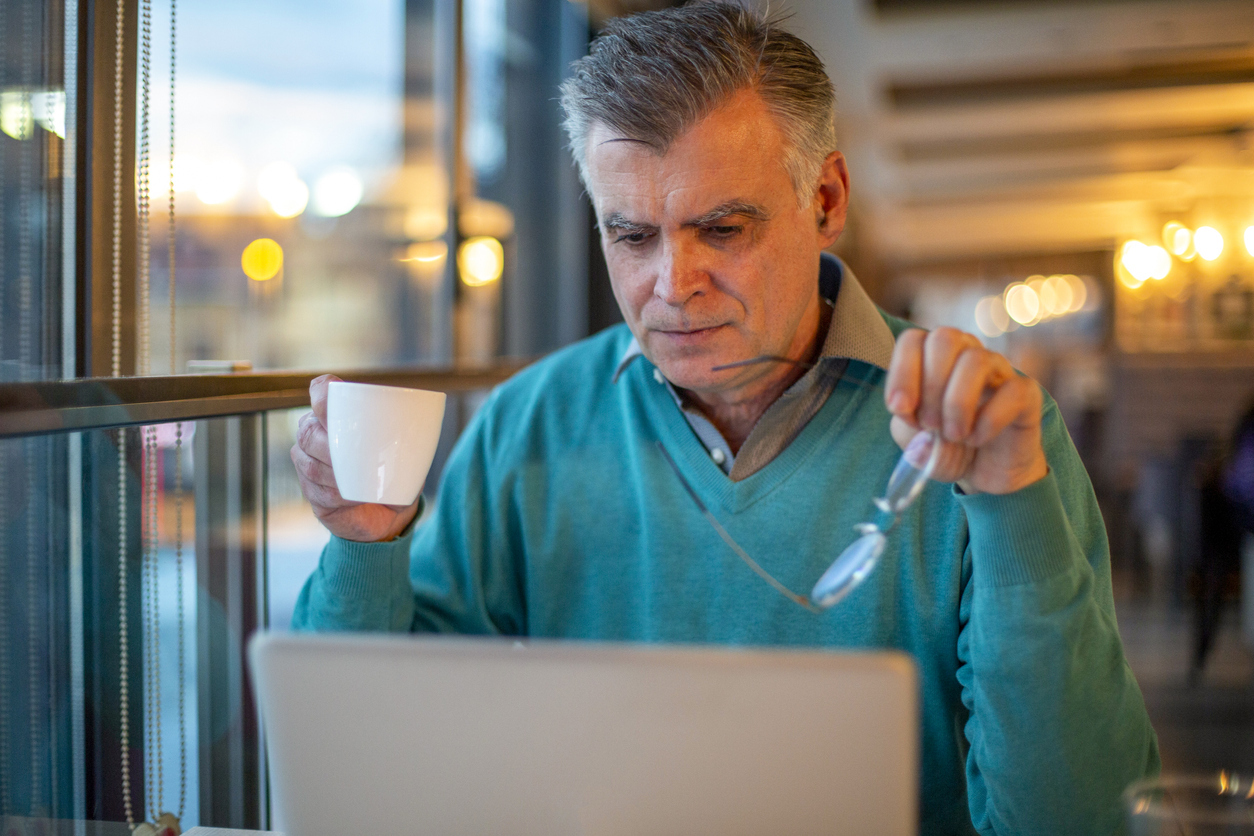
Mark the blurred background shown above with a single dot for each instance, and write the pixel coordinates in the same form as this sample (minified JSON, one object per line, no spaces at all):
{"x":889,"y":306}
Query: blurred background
{"x":383,"y":184}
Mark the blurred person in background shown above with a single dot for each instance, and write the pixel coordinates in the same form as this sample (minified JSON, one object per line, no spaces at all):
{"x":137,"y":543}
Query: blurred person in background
{"x":705,"y":136}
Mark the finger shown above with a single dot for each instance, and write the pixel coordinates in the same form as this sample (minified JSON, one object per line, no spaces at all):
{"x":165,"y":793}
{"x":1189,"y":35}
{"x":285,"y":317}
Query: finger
{"x":953,"y":461}
{"x":1017,"y":401}
{"x":318,"y":395}
{"x":311,"y":436}
{"x":975,"y":377}
{"x":902,"y":430}
{"x":901,"y":387}
{"x":940,"y":352}
{"x":309,"y":469}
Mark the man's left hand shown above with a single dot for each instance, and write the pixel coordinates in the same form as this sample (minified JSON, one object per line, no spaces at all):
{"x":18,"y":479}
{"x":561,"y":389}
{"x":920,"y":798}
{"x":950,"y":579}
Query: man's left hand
{"x":987,"y":414}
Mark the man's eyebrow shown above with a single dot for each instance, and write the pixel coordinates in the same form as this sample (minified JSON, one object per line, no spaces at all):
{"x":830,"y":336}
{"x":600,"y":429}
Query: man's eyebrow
{"x":726,"y":210}
{"x":616,"y":220}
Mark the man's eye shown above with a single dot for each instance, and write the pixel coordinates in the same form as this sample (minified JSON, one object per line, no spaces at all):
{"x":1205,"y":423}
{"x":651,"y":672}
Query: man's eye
{"x":723,"y":231}
{"x":632,"y":237}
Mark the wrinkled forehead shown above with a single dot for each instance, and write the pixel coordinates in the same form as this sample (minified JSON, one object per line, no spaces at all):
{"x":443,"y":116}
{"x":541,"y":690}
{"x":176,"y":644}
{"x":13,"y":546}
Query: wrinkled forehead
{"x":733,"y":153}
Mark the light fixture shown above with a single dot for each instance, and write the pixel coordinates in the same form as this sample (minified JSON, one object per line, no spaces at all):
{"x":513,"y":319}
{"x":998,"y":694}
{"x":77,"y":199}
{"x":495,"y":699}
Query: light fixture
{"x":1209,"y":242}
{"x":480,"y":260}
{"x":262,"y":259}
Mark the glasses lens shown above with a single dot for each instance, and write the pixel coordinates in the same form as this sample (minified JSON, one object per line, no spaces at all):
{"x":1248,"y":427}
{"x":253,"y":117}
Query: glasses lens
{"x":849,"y":570}
{"x":910,"y":475}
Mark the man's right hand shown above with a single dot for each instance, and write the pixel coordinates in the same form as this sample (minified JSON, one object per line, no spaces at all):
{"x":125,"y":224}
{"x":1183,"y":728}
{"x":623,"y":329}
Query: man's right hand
{"x":362,"y":521}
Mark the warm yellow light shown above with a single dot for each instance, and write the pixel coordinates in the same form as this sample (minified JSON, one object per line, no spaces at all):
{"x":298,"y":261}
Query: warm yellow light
{"x":480,"y":260}
{"x":1144,"y":262}
{"x":1249,"y":240}
{"x":1158,"y":261}
{"x":1178,"y":239}
{"x":1062,"y":295}
{"x":262,"y":259}
{"x":1045,"y":295}
{"x":991,"y":317}
{"x":1134,"y":258}
{"x":1079,"y":292}
{"x":1022,"y":303}
{"x":1209,"y":242}
{"x":426,"y":252}
{"x":425,"y":223}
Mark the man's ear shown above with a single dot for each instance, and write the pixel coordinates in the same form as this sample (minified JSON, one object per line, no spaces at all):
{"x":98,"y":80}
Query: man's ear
{"x":832,"y":198}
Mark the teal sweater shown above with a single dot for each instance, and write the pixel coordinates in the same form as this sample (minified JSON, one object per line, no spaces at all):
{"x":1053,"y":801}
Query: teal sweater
{"x":558,"y":517}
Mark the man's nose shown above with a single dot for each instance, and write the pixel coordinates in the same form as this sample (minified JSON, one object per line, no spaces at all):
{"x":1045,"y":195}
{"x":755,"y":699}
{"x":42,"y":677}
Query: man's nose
{"x":680,"y":274}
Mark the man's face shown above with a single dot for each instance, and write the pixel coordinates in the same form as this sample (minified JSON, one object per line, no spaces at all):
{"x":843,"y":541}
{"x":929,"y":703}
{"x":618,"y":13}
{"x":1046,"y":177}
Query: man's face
{"x":710,"y":256}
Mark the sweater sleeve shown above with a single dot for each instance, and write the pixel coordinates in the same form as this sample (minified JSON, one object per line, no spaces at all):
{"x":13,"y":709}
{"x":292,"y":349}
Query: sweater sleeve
{"x":1057,"y":726}
{"x":456,"y":572}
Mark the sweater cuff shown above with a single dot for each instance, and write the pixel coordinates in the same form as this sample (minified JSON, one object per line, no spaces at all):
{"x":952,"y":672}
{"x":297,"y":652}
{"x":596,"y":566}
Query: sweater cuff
{"x":1021,"y":537}
{"x":356,"y":570}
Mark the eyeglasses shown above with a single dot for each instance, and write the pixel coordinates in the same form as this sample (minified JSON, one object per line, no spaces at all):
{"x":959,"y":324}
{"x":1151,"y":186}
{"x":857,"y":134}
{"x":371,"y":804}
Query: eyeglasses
{"x":859,"y":559}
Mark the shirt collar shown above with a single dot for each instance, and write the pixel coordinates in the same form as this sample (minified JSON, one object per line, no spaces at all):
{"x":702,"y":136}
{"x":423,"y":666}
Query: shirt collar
{"x":857,"y":330}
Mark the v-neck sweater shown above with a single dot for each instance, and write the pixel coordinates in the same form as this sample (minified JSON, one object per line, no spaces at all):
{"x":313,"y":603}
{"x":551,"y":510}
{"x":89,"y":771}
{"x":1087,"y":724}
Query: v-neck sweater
{"x":557,"y":516}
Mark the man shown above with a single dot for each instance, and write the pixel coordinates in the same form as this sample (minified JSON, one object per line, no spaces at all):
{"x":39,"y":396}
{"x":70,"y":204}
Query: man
{"x":705,"y":137}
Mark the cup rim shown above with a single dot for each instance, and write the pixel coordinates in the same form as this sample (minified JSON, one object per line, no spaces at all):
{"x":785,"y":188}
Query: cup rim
{"x":1223,"y":783}
{"x":388,"y":386}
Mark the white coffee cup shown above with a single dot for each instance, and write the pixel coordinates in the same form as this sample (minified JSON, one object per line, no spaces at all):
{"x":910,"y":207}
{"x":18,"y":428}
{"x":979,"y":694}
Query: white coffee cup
{"x":382,"y":440}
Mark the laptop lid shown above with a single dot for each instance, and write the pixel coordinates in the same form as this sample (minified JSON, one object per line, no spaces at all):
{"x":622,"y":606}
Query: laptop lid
{"x":454,"y":735}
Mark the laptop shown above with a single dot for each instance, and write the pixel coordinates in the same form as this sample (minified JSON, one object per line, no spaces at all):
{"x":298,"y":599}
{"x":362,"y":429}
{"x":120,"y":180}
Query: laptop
{"x":497,"y":737}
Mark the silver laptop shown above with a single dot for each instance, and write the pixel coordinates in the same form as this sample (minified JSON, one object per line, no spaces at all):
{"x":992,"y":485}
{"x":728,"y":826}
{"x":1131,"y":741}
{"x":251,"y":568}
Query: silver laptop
{"x":489,"y":737}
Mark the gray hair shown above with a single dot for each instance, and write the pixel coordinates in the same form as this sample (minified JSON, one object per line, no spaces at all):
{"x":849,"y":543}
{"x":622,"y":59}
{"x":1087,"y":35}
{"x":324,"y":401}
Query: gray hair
{"x":653,"y":75}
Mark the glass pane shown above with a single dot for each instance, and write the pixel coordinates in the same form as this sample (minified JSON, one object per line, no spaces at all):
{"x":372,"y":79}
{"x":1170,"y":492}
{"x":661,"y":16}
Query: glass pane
{"x":32,"y":184}
{"x":291,"y":125}
{"x":76,"y":543}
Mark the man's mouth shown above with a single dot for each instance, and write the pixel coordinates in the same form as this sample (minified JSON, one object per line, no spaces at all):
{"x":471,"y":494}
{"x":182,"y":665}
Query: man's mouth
{"x":685,"y":331}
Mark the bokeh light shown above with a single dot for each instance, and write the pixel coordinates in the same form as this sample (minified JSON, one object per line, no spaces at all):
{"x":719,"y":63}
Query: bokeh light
{"x":991,"y":317}
{"x":426,"y":252}
{"x":337,"y":192}
{"x":1144,"y":262}
{"x":283,"y":189}
{"x":262,"y":259}
{"x":1022,"y":303}
{"x":216,"y":183}
{"x":480,"y":260}
{"x":17,"y":116}
{"x":1209,"y":243}
{"x":1178,"y":239}
{"x":1249,"y":240}
{"x":1079,"y":292}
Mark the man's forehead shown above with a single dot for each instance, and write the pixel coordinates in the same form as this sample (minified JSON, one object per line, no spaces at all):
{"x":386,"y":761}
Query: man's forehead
{"x":636,"y":181}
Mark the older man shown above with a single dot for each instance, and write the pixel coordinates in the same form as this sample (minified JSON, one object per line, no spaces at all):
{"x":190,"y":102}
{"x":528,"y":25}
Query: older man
{"x":705,"y":137}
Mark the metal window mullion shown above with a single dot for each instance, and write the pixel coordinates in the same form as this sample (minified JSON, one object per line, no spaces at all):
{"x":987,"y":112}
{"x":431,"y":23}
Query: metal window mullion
{"x":230,"y":561}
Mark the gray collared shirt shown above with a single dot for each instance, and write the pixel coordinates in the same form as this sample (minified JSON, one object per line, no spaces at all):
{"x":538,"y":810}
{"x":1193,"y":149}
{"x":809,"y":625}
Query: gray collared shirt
{"x":856,"y":331}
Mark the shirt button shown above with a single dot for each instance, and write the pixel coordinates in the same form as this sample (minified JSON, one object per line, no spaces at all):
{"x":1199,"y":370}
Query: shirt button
{"x":657,"y":375}
{"x":718,"y":456}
